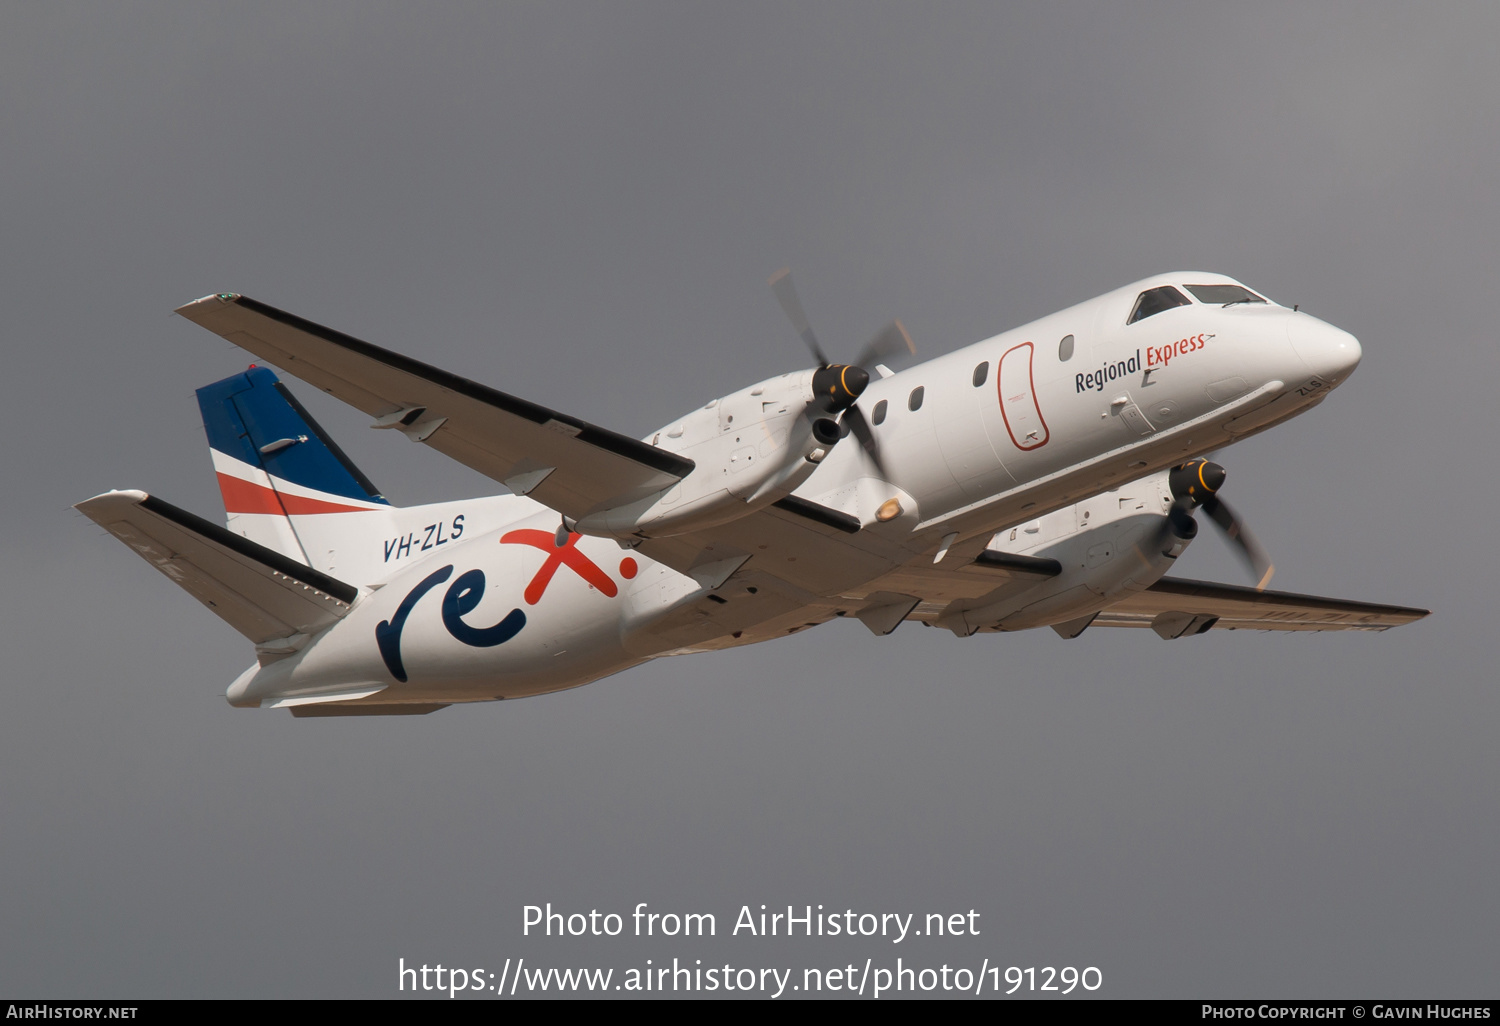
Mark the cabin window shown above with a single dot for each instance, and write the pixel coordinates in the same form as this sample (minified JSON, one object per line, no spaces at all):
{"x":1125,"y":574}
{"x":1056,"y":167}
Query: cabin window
{"x":914,"y":401}
{"x":981,"y":373}
{"x":1154,"y":301}
{"x":1065,"y":349}
{"x":1223,"y":294}
{"x":878,"y":417}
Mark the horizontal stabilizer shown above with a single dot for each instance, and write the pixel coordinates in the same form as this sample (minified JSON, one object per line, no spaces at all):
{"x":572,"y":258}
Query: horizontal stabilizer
{"x":1177,"y":608}
{"x":560,"y":461}
{"x":257,"y":591}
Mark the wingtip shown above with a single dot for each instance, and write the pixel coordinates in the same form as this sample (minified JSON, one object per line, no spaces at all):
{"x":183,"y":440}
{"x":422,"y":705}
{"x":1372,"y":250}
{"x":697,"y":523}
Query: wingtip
{"x":208,"y":301}
{"x":100,"y":505}
{"x":132,"y":495}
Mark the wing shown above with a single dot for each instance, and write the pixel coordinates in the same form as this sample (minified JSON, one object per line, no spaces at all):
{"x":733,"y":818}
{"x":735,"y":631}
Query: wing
{"x":565,"y":463}
{"x":1176,"y":608}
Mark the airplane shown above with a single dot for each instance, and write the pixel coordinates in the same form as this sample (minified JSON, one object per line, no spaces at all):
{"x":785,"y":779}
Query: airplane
{"x":1046,"y":477}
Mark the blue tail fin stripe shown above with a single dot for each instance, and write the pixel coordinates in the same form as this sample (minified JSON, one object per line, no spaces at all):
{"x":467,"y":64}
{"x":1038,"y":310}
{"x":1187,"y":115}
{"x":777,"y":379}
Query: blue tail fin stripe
{"x":246,"y":412}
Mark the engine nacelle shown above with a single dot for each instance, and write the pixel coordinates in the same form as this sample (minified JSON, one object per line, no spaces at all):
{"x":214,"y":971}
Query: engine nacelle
{"x":751,"y":448}
{"x":1117,"y":542}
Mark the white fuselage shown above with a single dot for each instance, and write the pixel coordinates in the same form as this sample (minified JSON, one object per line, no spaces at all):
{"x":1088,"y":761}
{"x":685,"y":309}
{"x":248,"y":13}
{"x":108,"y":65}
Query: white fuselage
{"x":1006,"y":433}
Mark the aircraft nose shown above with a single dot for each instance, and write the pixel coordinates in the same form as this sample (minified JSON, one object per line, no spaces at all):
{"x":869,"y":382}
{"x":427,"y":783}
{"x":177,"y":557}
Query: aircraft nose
{"x":1330,"y":353}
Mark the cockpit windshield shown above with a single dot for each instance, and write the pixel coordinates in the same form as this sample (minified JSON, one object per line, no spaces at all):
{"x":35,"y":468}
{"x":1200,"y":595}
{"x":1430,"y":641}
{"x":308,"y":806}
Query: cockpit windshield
{"x":1154,"y":301}
{"x":1224,"y":294}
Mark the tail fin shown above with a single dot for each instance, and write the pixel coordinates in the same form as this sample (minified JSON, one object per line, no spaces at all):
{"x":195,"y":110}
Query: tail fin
{"x":280,"y":475}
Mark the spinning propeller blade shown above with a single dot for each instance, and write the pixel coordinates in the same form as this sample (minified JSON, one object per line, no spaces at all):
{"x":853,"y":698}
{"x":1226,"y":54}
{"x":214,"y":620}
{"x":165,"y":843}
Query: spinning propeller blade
{"x":1255,"y":557}
{"x":1195,"y":484}
{"x":861,"y":430}
{"x":786,"y":295}
{"x":892,"y":341}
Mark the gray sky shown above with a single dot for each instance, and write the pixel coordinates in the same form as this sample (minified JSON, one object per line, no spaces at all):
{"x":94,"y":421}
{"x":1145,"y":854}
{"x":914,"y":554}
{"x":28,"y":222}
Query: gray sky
{"x":581,"y":204}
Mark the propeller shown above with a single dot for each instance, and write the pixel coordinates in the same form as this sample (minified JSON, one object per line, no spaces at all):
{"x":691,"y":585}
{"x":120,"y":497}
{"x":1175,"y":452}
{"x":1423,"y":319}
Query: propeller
{"x":892,"y":341}
{"x":1195,"y":485}
{"x":838,"y":386}
{"x":786,"y":295}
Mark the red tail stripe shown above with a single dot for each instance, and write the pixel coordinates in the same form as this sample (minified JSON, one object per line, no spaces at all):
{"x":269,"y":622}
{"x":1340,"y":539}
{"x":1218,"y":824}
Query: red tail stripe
{"x":242,"y":496}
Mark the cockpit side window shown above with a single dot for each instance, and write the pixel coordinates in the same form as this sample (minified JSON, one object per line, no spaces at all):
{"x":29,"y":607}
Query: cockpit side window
{"x":1154,"y":301}
{"x":1223,"y":294}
